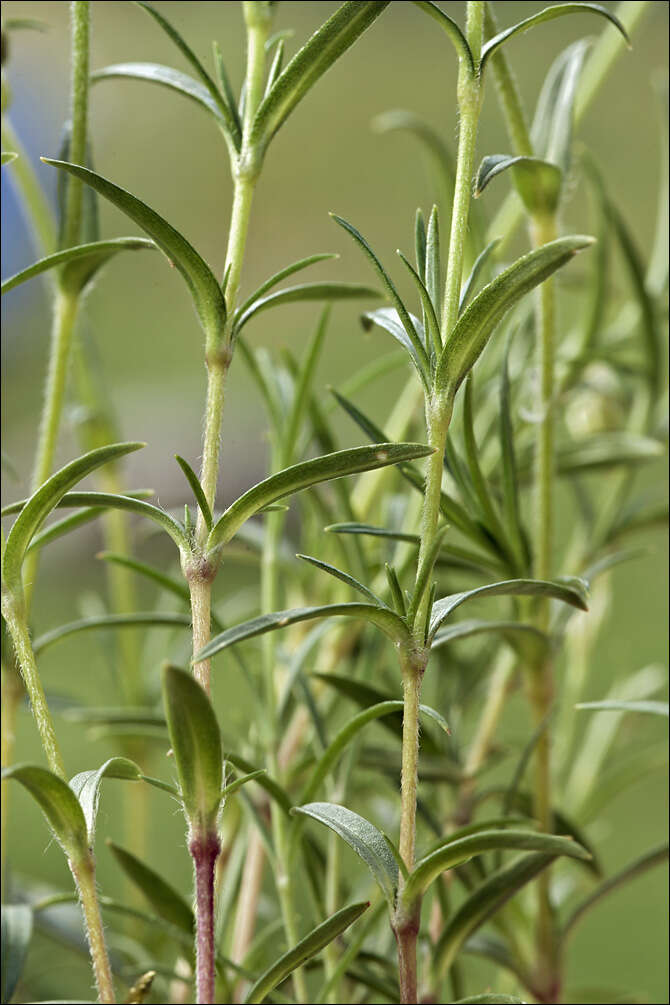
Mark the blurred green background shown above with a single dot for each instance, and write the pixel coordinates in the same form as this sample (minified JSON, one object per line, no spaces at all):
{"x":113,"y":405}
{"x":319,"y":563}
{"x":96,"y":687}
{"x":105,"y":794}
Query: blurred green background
{"x":148,"y":343}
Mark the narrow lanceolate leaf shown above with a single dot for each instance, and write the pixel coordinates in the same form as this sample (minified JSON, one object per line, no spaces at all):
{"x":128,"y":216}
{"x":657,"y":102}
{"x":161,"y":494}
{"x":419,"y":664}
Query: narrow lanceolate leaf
{"x":346,"y":735}
{"x":484,"y":902}
{"x":453,"y":32}
{"x":308,"y":947}
{"x":45,"y":499}
{"x":477,"y":323}
{"x":86,"y":787}
{"x":649,"y":707}
{"x":201,"y":281}
{"x":232,"y":787}
{"x":17,"y":930}
{"x":140,"y":619}
{"x":344,"y":577}
{"x":307,"y":293}
{"x":79,"y":265}
{"x":6,"y":158}
{"x":198,"y":490}
{"x":196,"y":741}
{"x":363,"y":837}
{"x":455,"y":852}
{"x":164,"y":899}
{"x":386,"y":620}
{"x":647,"y":861}
{"x":393,"y":295}
{"x":478,"y":267}
{"x":168,"y":77}
{"x":537,"y":181}
{"x":388,"y":319}
{"x":325,"y":46}
{"x":548,"y":14}
{"x":233,"y":131}
{"x":552,"y":129}
{"x":59,"y":805}
{"x":301,"y":476}
{"x":277,"y":278}
{"x":76,"y":499}
{"x":571,"y":591}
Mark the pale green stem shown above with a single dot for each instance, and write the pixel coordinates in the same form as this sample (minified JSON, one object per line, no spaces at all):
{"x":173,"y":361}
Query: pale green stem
{"x":14,"y":612}
{"x":66,"y":307}
{"x":80,"y":16}
{"x":40,"y":218}
{"x":508,"y":92}
{"x":84,"y":877}
{"x":469,"y":104}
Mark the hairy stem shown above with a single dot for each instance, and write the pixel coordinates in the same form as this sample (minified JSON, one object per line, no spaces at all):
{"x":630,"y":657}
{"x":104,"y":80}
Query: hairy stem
{"x":205,"y":850}
{"x":15,"y":616}
{"x":84,"y":877}
{"x":80,"y":16}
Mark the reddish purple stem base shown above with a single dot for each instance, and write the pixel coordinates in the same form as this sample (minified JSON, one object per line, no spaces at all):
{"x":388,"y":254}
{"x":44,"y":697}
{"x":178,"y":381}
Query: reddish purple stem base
{"x":204,"y":851}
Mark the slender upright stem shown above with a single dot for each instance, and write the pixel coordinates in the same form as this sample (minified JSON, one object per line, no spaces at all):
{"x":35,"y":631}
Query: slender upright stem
{"x":205,"y":850}
{"x":15,"y":616}
{"x":79,"y":83}
{"x":84,"y":877}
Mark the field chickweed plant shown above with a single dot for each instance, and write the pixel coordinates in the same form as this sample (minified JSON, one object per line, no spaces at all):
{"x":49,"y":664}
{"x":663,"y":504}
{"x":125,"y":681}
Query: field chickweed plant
{"x":433,"y":584}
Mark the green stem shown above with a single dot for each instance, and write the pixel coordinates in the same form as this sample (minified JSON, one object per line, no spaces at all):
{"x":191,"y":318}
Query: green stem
{"x":80,"y":16}
{"x":84,"y":877}
{"x":40,"y":218}
{"x":508,"y":93}
{"x":469,"y":104}
{"x":14,"y":611}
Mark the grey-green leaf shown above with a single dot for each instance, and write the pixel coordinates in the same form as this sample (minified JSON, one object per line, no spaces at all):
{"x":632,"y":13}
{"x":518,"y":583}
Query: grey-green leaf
{"x":308,"y":947}
{"x":17,"y":930}
{"x":386,"y":620}
{"x":548,"y":14}
{"x":139,"y":619}
{"x":452,"y":31}
{"x":570,"y":590}
{"x":318,"y":54}
{"x":302,"y":476}
{"x":165,"y":900}
{"x":155,"y":73}
{"x":649,"y":707}
{"x":388,"y":319}
{"x":86,"y":787}
{"x":45,"y":499}
{"x":59,"y":805}
{"x":455,"y":852}
{"x":537,"y":181}
{"x":306,"y":293}
{"x":477,"y":323}
{"x":363,"y":837}
{"x":196,"y":741}
{"x":482,"y":903}
{"x":201,"y":281}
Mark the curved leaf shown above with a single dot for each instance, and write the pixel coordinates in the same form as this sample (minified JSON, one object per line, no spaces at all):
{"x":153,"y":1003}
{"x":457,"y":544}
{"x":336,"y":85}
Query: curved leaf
{"x":651,"y":707}
{"x":363,"y":837}
{"x":478,"y":267}
{"x":7,"y":157}
{"x":552,"y":129}
{"x":165,"y":900}
{"x":140,"y":619}
{"x":308,"y":947}
{"x":390,"y":623}
{"x":233,"y":132}
{"x":302,"y":476}
{"x":571,"y":591}
{"x":306,"y":293}
{"x":548,"y":14}
{"x":344,"y":577}
{"x":347,"y":733}
{"x":455,"y":852}
{"x":482,"y":903}
{"x":17,"y":930}
{"x":478,"y":321}
{"x":80,"y":264}
{"x":201,"y":281}
{"x":394,"y":297}
{"x":196,"y":741}
{"x":325,"y":46}
{"x":197,"y":489}
{"x":388,"y":319}
{"x":516,"y":633}
{"x":537,"y":181}
{"x":59,"y":805}
{"x":75,"y":499}
{"x":453,"y":32}
{"x":86,"y":786}
{"x":38,"y":507}
{"x":290,"y":270}
{"x":175,"y":80}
